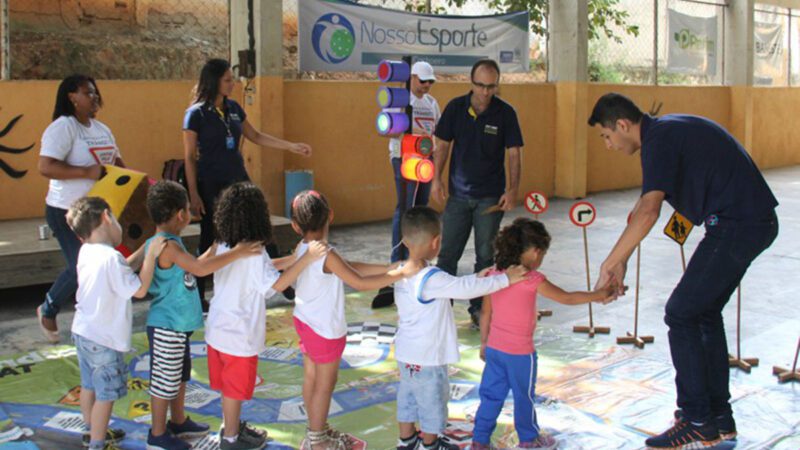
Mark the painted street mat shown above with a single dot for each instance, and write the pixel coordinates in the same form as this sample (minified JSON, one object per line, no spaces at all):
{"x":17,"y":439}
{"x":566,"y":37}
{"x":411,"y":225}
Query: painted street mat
{"x":591,"y":394}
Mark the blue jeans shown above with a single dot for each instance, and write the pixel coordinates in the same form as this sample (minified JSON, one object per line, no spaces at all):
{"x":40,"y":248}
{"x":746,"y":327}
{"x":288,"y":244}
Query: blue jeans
{"x":459,"y":218}
{"x":405,"y":199}
{"x":694,"y":313}
{"x":504,"y":371}
{"x":66,"y":283}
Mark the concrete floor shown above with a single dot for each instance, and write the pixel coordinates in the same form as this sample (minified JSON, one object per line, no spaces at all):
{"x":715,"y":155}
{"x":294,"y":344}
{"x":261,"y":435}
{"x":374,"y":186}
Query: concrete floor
{"x":770,"y":317}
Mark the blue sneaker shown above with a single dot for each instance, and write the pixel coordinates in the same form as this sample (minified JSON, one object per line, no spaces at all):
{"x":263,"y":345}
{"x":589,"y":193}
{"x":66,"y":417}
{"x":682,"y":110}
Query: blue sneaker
{"x":189,"y":429}
{"x":165,"y":442}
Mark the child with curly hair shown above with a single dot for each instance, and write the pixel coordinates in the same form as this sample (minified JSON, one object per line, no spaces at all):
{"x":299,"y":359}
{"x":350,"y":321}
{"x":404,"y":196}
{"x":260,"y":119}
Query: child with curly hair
{"x":236,"y":326}
{"x":508,"y":321}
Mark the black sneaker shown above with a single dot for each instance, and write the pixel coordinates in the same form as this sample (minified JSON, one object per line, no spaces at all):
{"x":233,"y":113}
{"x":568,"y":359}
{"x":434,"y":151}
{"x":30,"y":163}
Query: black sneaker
{"x":248,"y":438}
{"x":385,"y":298}
{"x":685,"y":436}
{"x":440,"y":444}
{"x":189,"y":429}
{"x":409,"y":444}
{"x":113,"y":435}
{"x":725,"y":424}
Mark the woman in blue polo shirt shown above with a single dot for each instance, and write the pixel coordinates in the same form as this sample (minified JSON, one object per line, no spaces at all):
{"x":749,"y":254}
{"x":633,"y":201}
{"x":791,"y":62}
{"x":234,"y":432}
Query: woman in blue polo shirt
{"x":212,"y":130}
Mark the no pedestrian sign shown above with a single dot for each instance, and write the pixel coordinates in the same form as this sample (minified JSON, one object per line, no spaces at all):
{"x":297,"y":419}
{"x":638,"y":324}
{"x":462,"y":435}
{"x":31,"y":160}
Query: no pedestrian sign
{"x":582,"y":214}
{"x":536,"y":202}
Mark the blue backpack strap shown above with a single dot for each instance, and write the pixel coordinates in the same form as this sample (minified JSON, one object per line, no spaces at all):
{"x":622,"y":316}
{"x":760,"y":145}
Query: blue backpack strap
{"x":421,"y":284}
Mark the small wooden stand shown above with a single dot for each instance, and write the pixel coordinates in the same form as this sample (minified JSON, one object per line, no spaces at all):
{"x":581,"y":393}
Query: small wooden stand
{"x":635,"y":339}
{"x":744,"y":364}
{"x":591,"y":329}
{"x":785,"y":375}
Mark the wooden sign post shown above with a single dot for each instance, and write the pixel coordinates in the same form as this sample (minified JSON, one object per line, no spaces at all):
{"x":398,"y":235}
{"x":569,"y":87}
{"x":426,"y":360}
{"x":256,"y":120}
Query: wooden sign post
{"x":635,"y":339}
{"x":582,"y":214}
{"x":536,"y":203}
{"x":785,"y":375}
{"x":745,"y":364}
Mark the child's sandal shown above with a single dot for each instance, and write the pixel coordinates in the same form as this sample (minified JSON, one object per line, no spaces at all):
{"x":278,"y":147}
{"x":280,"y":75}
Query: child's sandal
{"x":313,"y":438}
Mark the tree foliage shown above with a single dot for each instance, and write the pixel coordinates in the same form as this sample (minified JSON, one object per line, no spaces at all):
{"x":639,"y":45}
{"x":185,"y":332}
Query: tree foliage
{"x":605,"y":16}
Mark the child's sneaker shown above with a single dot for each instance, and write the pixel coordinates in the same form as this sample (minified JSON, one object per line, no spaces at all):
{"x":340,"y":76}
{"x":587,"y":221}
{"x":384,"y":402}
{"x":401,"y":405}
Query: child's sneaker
{"x":725,"y":424}
{"x":439,"y":444}
{"x":165,"y":442}
{"x":409,"y":444}
{"x":113,"y":435}
{"x":248,"y":438}
{"x":189,"y":429}
{"x":542,"y":442}
{"x":686,"y":436}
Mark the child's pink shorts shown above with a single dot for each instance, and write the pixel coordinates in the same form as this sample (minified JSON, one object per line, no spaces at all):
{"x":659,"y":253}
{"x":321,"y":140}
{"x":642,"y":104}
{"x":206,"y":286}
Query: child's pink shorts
{"x":316,"y":347}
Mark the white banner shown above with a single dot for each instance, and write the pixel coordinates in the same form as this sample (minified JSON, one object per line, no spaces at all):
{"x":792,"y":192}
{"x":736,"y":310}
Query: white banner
{"x":692,"y":44}
{"x":342,"y":36}
{"x":768,"y":46}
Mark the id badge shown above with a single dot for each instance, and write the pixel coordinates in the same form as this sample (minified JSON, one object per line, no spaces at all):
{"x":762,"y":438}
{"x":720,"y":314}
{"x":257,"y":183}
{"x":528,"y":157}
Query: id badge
{"x":230,"y":142}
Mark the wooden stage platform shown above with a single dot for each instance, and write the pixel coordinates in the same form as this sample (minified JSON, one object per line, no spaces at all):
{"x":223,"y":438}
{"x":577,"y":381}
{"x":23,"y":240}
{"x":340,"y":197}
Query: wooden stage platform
{"x":25,"y":260}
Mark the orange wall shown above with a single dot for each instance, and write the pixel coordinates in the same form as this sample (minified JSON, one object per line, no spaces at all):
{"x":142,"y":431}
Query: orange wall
{"x":775,"y":134}
{"x":145,"y":118}
{"x":608,"y":169}
{"x":351,"y":161}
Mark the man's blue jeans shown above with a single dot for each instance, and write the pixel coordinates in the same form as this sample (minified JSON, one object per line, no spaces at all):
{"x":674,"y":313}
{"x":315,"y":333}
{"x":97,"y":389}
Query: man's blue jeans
{"x":694,"y":312}
{"x":460,"y":216}
{"x":66,"y":283}
{"x":405,"y":200}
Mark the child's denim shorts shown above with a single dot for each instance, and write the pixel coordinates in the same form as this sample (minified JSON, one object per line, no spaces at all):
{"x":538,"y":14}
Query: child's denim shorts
{"x":103,"y":370}
{"x":422,"y":396}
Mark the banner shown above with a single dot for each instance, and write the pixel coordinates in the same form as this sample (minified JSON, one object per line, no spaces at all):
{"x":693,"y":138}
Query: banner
{"x":692,"y":44}
{"x":342,"y":36}
{"x":768,"y":63}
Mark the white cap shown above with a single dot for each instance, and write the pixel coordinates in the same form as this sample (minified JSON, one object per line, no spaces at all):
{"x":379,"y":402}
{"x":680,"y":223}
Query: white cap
{"x":423,"y":70}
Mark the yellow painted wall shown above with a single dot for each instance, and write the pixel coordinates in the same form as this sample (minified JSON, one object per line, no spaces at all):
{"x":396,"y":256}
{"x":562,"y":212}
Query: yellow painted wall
{"x":776,"y":137}
{"x":351,"y":161}
{"x":608,"y":169}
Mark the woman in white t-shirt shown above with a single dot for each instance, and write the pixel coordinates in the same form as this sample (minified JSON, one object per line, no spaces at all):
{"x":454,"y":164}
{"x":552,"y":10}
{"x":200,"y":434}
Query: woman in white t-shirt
{"x":74,"y":148}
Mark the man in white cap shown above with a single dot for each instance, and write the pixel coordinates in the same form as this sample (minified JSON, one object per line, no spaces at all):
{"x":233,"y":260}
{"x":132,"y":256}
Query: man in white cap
{"x":426,"y":114}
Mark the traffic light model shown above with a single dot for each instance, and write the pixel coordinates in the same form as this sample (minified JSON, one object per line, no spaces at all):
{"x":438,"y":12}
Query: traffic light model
{"x":395,"y":118}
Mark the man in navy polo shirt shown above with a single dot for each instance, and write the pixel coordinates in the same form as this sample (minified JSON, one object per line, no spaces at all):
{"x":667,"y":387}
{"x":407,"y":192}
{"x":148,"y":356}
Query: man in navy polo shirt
{"x":481,"y":128}
{"x":707,"y":176}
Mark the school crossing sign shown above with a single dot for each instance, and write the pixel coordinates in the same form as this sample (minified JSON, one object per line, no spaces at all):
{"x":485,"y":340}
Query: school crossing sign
{"x":344,"y":36}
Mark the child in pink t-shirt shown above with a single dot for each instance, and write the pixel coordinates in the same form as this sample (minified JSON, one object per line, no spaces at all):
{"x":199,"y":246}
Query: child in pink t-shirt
{"x":508,"y":320}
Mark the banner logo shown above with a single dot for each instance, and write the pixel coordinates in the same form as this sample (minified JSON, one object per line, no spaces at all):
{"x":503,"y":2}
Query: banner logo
{"x":333,"y":38}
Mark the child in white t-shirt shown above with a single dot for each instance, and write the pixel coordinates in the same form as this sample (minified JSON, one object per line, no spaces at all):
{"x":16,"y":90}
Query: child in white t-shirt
{"x":236,"y":325}
{"x":319,"y":316}
{"x":103,"y":319}
{"x":426,"y":340}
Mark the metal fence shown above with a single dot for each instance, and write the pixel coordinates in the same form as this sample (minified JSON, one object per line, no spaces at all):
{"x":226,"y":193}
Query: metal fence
{"x":644,"y":58}
{"x":538,"y":47}
{"x":120,"y":39}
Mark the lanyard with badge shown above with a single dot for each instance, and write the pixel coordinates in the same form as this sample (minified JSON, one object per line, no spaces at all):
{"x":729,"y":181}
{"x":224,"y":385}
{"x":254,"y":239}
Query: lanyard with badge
{"x":230,"y":142}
